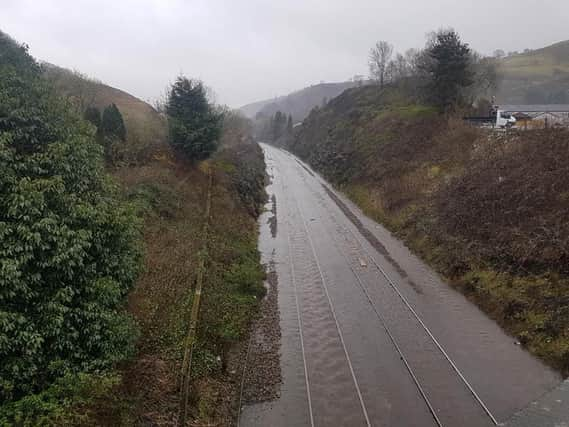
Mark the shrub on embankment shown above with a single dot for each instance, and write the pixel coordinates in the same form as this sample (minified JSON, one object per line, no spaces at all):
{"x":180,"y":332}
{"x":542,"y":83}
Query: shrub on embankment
{"x":488,"y":211}
{"x":512,"y":203}
{"x":171,"y":195}
{"x":68,"y":246}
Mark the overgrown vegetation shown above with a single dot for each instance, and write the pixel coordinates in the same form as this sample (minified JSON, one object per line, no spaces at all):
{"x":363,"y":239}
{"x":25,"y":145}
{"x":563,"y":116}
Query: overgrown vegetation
{"x":68,"y":245}
{"x":171,"y":196}
{"x":446,"y":73}
{"x":69,"y":254}
{"x":488,"y":211}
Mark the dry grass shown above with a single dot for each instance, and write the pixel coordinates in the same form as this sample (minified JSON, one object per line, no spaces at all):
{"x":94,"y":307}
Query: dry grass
{"x":170,"y":196}
{"x":512,"y":203}
{"x":147,"y":129}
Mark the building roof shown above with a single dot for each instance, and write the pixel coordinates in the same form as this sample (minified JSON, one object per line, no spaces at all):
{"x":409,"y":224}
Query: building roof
{"x":547,"y":108}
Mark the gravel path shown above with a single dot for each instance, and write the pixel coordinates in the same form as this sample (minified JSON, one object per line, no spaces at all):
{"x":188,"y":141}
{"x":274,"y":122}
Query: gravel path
{"x":262,"y":377}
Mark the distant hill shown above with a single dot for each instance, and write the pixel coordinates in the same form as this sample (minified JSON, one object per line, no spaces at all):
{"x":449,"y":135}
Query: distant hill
{"x":146,"y":127}
{"x":539,"y":76}
{"x":298,"y":103}
{"x":250,"y":110}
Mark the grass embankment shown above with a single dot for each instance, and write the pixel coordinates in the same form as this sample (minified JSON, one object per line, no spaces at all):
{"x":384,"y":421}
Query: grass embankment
{"x":172,"y":198}
{"x":488,"y":212}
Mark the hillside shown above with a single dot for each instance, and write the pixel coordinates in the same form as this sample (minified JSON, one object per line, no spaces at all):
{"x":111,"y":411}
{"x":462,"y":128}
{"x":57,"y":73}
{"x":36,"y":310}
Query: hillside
{"x":536,"y":77}
{"x":299,"y":103}
{"x":96,"y":315}
{"x":146,"y":128}
{"x":251,"y":110}
{"x":485,"y":210}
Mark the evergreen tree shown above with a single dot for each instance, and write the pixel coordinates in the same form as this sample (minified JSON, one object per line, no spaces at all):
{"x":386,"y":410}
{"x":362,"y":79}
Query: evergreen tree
{"x":289,"y":125}
{"x":448,"y":66}
{"x":277,"y":125}
{"x":194,"y":123}
{"x":271,"y":133}
{"x":112,"y":123}
{"x":93,"y":116}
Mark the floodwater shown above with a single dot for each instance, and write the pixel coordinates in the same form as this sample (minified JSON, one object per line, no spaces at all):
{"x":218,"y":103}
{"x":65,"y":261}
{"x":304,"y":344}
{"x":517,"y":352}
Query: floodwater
{"x":369,"y":334}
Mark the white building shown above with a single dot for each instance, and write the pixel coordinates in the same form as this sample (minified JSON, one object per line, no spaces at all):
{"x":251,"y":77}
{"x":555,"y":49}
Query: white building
{"x":539,"y":116}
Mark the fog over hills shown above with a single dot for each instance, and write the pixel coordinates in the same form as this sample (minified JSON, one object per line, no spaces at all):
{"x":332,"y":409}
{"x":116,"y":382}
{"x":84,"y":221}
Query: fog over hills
{"x":299,"y":103}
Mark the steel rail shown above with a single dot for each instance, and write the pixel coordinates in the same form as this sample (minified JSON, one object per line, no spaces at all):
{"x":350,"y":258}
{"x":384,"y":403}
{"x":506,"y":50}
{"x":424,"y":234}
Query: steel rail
{"x":427,"y":330}
{"x":299,"y":319}
{"x":392,"y":339}
{"x":417,"y":317}
{"x":333,"y":311}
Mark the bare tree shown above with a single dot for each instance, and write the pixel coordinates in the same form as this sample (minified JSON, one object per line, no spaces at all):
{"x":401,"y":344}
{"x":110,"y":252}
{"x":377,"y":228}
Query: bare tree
{"x":391,"y":74}
{"x":486,"y":76}
{"x":358,"y":79}
{"x":399,"y":68}
{"x":379,"y":59}
{"x":412,"y":58}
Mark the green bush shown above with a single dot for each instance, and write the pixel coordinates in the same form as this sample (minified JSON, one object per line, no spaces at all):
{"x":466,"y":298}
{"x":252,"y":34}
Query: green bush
{"x":58,"y":404}
{"x":68,"y":247}
{"x":247,"y":275}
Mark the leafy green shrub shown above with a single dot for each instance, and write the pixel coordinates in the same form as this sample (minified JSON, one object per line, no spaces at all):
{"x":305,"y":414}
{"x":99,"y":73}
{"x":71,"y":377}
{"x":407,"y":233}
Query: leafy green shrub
{"x":67,"y":245}
{"x":17,"y":56}
{"x":245,"y":165}
{"x":57,"y":404}
{"x":247,"y":275}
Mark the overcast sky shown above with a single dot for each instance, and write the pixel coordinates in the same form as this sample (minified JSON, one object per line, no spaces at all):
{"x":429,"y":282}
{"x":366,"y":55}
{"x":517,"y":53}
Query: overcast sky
{"x":248,"y":50}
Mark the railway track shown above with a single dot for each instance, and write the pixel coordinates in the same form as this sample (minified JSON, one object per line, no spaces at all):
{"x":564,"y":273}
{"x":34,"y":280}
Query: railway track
{"x":405,"y":302}
{"x":328,"y":255}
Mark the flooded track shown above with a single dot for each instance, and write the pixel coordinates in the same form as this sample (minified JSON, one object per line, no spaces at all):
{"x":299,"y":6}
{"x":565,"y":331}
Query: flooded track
{"x":369,"y":334}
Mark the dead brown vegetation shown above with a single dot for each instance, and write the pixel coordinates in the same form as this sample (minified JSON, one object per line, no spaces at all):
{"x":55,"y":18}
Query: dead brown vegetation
{"x":512,"y":203}
{"x":170,"y":194}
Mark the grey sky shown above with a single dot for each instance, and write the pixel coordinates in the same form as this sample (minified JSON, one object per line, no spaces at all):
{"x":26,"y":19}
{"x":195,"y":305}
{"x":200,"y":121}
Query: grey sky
{"x":249,"y":50}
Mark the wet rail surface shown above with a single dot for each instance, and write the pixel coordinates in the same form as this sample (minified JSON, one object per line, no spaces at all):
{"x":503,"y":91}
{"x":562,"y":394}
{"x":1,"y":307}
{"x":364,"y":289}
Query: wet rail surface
{"x":370,"y":335}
